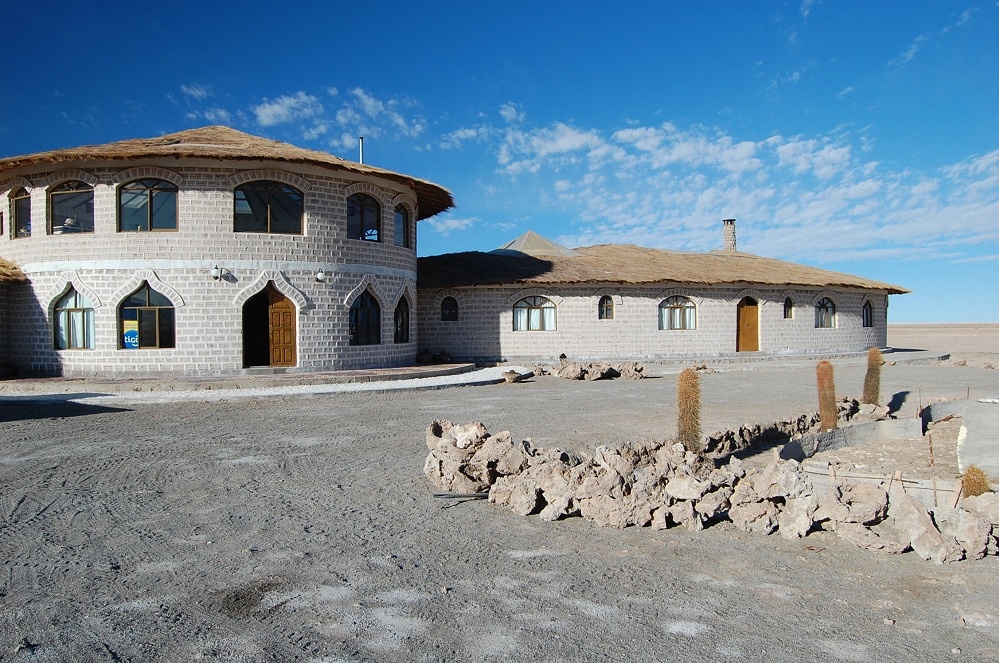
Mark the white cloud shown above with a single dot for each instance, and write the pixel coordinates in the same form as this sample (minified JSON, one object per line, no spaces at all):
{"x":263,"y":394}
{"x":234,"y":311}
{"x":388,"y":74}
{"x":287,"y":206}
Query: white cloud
{"x":822,"y":158}
{"x":919,"y":41}
{"x":316,"y":130}
{"x":286,"y":109}
{"x":458,"y":137}
{"x":803,"y":197}
{"x":989,"y":258}
{"x":510,"y":113}
{"x":196,"y":92}
{"x":445,"y":225}
{"x":362,"y":114}
{"x":218,"y":116}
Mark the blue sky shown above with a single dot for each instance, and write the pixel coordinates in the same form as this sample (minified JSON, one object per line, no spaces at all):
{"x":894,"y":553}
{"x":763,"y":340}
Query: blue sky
{"x":853,"y":136}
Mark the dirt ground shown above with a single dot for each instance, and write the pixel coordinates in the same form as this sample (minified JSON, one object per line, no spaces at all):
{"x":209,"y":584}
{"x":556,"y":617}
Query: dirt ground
{"x":302,"y":529}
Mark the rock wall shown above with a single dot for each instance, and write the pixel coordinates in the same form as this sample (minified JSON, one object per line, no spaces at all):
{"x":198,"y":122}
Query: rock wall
{"x":659,"y":485}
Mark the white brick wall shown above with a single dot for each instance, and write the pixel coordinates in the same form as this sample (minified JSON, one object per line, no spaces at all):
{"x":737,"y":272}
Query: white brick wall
{"x":109,"y":265}
{"x":484,"y":329}
{"x":209,"y":315}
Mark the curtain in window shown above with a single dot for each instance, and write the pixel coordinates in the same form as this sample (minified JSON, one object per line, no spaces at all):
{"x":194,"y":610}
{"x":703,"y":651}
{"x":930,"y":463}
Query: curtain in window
{"x":520,"y":319}
{"x":549,"y":318}
{"x":74,"y":322}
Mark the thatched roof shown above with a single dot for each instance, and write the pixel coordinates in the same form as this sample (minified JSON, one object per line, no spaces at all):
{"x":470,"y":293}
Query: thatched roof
{"x":629,"y":264}
{"x":224,"y":143}
{"x":10,"y":273}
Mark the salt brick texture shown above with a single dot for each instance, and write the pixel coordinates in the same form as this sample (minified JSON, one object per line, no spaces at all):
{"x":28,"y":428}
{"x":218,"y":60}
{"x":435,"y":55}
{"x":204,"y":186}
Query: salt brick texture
{"x":108,"y":265}
{"x":104,"y":264}
{"x":484,"y":329}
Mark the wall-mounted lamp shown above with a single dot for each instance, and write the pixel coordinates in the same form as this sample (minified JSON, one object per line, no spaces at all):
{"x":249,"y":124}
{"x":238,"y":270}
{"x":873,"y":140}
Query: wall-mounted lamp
{"x":321,"y":276}
{"x":219,"y":272}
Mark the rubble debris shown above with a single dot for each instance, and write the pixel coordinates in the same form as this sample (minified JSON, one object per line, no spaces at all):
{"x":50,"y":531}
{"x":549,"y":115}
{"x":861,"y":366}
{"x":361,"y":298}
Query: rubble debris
{"x":571,"y":370}
{"x":660,"y":485}
{"x":512,"y":377}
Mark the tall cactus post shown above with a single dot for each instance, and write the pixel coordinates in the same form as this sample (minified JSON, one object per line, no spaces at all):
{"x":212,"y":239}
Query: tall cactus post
{"x":872,"y":380}
{"x":688,"y":406}
{"x":827,"y":395}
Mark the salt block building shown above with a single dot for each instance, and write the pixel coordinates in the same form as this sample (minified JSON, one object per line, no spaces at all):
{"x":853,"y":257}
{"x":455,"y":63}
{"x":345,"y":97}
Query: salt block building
{"x":533,"y":299}
{"x":207,"y":252}
{"x":215,"y":252}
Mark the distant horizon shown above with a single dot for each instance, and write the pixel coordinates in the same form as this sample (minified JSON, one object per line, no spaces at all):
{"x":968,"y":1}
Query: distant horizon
{"x":946,"y":324}
{"x":838,"y":136}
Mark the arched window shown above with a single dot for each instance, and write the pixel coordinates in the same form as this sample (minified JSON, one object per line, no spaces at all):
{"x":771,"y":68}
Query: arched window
{"x":20,"y":213}
{"x":146,"y":320}
{"x":268,"y":207}
{"x":825,"y":314}
{"x":365,"y":320}
{"x":401,"y":322}
{"x":74,"y":322}
{"x":449,"y":309}
{"x":402,"y":227}
{"x":71,"y":208}
{"x":364,"y":218}
{"x":677,"y":312}
{"x":534,"y":314}
{"x":148,"y":204}
{"x":605,"y":309}
{"x":788,"y":308}
{"x":868,"y":314}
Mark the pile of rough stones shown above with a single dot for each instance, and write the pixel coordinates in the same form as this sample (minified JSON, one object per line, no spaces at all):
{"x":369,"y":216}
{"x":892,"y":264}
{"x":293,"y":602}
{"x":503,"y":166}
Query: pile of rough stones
{"x":573,"y":370}
{"x":661,"y":485}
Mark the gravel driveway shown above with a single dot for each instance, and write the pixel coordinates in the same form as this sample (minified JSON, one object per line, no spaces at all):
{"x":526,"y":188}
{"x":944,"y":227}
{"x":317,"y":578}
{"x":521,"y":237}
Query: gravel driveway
{"x":301,"y":528}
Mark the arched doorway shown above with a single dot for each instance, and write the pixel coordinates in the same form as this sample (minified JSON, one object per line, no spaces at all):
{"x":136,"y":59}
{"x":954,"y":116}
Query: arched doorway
{"x":269,"y":334}
{"x":747,"y":335}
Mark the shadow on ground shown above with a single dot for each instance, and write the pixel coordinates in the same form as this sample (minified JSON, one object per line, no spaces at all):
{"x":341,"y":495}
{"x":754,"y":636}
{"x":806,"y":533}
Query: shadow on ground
{"x":56,"y":406}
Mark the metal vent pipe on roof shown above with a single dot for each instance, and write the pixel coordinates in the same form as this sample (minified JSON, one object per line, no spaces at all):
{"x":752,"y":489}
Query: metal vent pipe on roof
{"x":360,"y":147}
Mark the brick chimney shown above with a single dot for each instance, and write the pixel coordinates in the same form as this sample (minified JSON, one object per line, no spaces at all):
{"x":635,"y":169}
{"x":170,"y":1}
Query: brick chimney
{"x":729,"y":234}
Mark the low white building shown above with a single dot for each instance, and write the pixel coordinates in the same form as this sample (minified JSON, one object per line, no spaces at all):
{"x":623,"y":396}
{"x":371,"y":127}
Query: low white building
{"x":534,"y":300}
{"x":215,"y":252}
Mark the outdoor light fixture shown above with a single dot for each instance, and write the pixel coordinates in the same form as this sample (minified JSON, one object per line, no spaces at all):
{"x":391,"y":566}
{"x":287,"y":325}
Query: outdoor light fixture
{"x":321,"y":275}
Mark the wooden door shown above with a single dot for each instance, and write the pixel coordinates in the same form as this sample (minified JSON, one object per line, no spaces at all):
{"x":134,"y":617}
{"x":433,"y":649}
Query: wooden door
{"x":747,"y":336}
{"x":281,"y":313}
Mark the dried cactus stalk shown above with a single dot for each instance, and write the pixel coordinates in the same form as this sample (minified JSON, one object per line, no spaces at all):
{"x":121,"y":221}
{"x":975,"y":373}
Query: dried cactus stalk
{"x":975,"y":482}
{"x":688,"y":405}
{"x":827,"y":395}
{"x":872,"y":380}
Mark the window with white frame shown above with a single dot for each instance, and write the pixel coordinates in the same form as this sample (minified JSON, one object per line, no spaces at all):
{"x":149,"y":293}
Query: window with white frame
{"x":73,"y":322}
{"x":825,"y":314}
{"x":534,"y":314}
{"x":677,"y":312}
